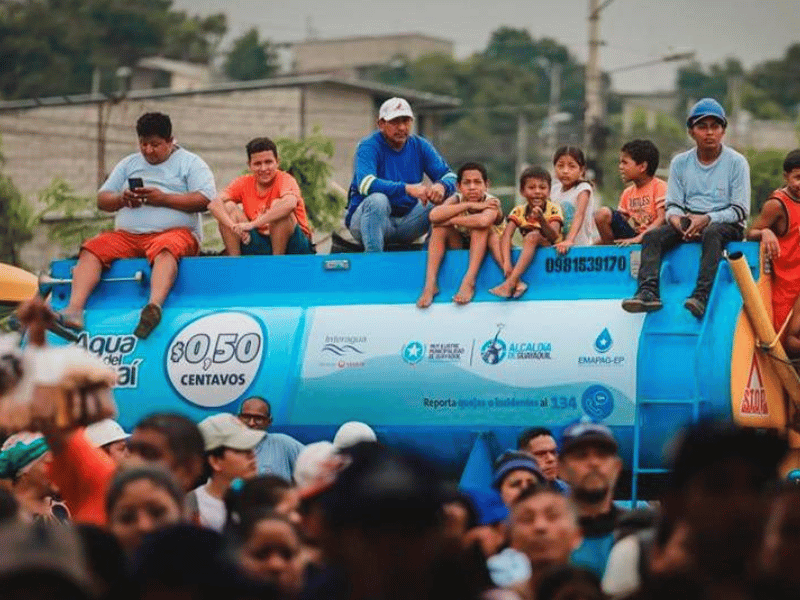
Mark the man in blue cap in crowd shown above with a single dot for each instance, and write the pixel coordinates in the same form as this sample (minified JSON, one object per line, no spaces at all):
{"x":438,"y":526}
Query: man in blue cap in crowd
{"x":707,"y":201}
{"x":591,"y":465}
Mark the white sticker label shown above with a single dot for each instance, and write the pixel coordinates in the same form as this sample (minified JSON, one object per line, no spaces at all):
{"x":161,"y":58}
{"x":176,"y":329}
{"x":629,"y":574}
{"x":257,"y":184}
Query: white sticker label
{"x":213,"y":360}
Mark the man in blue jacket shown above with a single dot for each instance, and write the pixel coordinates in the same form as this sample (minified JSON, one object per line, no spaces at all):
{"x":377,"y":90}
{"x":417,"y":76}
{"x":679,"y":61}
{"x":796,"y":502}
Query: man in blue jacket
{"x":388,"y":200}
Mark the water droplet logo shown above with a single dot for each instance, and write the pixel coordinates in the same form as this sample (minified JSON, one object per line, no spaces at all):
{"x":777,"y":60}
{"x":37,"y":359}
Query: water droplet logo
{"x":413,"y":352}
{"x":597,"y":402}
{"x":603,"y":342}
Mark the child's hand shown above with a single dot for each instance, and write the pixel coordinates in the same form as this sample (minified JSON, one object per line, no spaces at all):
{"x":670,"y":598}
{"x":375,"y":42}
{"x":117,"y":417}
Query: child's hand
{"x":537,"y":213}
{"x":563,"y":247}
{"x":769,"y":244}
{"x":630,"y":241}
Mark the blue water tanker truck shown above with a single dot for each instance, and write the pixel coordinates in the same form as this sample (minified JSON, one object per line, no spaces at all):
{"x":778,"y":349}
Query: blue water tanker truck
{"x":332,"y":338}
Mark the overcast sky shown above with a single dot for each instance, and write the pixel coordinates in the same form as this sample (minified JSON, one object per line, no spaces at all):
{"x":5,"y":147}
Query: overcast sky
{"x":633,"y":30}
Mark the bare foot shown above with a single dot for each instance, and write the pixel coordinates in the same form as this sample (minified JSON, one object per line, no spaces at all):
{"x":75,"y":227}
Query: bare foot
{"x":504,"y":290}
{"x":520,"y":289}
{"x":465,"y":293}
{"x":426,"y":297}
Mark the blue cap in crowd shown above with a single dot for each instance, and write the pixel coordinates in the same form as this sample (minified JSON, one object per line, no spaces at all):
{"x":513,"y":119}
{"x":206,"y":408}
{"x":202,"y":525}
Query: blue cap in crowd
{"x":583,"y":434}
{"x":513,"y":461}
{"x":707,"y":107}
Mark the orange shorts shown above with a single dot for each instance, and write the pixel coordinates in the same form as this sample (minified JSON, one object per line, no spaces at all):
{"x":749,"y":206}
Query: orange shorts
{"x":111,"y":245}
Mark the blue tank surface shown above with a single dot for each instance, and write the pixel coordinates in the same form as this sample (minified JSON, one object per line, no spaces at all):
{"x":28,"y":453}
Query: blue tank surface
{"x":327,"y":339}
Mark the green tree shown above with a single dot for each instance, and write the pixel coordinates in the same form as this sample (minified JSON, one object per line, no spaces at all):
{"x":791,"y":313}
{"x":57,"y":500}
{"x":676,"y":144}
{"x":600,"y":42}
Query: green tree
{"x":766,"y":175}
{"x":52,"y":47}
{"x":250,"y":58}
{"x":15,"y":219}
{"x":780,"y":79}
{"x":193,"y":39}
{"x":307,"y":161}
{"x":76,"y":217}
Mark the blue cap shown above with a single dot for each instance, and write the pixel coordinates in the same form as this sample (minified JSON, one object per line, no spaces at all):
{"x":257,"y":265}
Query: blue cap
{"x":587,"y":434}
{"x":707,"y":107}
{"x":515,"y":461}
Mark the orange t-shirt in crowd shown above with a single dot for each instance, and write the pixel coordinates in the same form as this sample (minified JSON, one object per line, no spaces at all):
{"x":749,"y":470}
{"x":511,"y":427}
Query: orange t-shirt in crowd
{"x":83,"y":474}
{"x":243,"y":190}
{"x":641,"y":204}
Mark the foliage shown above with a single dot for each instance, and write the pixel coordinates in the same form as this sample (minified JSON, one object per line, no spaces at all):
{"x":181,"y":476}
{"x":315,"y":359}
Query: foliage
{"x":52,"y":47}
{"x":72,"y":224}
{"x":770,"y":90}
{"x":766,"y":175}
{"x":780,"y":79}
{"x":193,"y":39}
{"x":511,"y":74}
{"x":307,"y":161}
{"x":250,"y":58}
{"x":15,"y":219}
{"x":18,"y":220}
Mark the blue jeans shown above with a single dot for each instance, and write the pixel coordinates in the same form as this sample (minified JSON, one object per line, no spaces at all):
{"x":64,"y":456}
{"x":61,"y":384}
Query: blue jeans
{"x":373,"y":225}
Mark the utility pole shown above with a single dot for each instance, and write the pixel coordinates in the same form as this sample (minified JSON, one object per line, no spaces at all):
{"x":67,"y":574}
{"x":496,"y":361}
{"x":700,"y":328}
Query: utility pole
{"x":522,"y":143}
{"x":735,"y":97}
{"x":553,"y":106}
{"x":594,"y":109}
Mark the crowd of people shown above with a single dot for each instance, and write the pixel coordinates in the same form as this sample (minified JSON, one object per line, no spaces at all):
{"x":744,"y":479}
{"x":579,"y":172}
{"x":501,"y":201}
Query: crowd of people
{"x":228,"y":509}
{"x":403,"y":189}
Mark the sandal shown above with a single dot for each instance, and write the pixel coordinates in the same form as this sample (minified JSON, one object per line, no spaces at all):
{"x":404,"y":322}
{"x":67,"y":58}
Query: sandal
{"x":67,"y":322}
{"x":150,"y":317}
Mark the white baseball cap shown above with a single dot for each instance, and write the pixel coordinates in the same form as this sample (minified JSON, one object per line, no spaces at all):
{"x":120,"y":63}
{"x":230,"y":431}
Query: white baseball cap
{"x":393,"y":108}
{"x":352,"y":433}
{"x":105,"y":432}
{"x":226,"y":430}
{"x":309,"y":467}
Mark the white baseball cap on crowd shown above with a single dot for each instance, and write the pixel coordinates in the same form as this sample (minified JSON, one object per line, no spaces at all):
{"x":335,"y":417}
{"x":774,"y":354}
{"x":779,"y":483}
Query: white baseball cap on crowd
{"x":393,"y":108}
{"x":105,"y":432}
{"x":225,"y":430}
{"x":352,"y":433}
{"x":309,"y":467}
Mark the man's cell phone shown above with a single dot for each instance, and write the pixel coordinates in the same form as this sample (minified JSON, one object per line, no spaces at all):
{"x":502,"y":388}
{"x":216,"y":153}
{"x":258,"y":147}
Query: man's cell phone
{"x":135,"y":183}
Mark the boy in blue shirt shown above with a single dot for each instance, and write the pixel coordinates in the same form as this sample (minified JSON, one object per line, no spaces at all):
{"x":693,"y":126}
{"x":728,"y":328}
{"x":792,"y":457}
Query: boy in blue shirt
{"x":707,"y":201}
{"x":387,"y":200}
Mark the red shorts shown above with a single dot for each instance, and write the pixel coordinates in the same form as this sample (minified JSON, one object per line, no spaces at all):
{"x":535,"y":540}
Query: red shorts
{"x":111,"y":245}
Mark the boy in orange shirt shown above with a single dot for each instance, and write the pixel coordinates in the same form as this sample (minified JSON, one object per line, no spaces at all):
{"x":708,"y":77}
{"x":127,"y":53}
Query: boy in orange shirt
{"x":641,"y":206}
{"x":263,"y":212}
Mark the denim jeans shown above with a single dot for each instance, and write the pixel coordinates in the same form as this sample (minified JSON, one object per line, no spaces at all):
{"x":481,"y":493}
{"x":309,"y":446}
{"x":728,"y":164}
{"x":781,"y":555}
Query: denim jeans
{"x":658,"y":241}
{"x":373,"y":225}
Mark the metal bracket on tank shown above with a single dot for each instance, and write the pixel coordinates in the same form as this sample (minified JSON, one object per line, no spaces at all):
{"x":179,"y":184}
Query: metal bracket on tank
{"x":634,"y":260}
{"x":336,"y":264}
{"x":45,"y":280}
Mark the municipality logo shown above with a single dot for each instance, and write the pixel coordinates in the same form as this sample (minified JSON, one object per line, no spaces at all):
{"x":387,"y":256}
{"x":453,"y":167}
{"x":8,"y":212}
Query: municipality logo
{"x":413,"y":352}
{"x":494,"y":351}
{"x":603,"y":342}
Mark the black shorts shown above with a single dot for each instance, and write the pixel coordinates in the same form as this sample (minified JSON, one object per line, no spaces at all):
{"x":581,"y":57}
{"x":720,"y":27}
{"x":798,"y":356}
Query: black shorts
{"x":620,"y":227}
